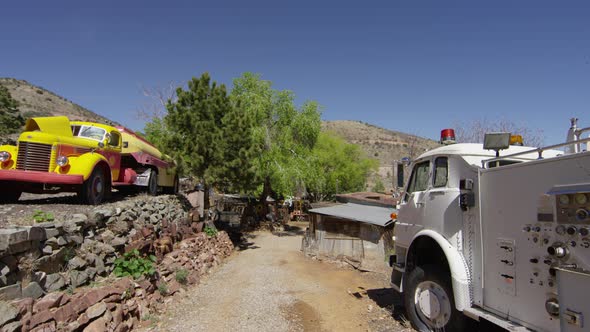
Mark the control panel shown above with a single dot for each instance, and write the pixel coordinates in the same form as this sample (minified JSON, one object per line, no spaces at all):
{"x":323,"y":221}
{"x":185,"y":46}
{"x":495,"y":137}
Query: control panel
{"x":573,"y":208}
{"x":556,"y":241}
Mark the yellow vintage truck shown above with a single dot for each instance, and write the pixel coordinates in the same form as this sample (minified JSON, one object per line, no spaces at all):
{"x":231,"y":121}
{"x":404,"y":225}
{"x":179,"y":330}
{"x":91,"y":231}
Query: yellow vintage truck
{"x":55,"y":154}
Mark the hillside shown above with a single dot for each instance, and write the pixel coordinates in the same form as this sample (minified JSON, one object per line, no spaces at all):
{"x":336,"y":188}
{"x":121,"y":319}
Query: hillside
{"x":379,"y":143}
{"x":382,"y":144}
{"x":36,"y":101}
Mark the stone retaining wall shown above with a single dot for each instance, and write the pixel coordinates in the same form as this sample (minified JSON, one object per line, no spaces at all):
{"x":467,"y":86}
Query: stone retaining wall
{"x":38,"y":262}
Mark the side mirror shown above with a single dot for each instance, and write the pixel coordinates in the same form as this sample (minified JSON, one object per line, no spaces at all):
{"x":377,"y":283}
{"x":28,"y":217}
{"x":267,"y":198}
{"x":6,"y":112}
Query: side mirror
{"x":400,"y":175}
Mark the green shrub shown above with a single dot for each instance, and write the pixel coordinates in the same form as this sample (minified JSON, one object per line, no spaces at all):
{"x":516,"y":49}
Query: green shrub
{"x":210,"y":231}
{"x":133,"y":264}
{"x":181,"y":276}
{"x":163,"y":289}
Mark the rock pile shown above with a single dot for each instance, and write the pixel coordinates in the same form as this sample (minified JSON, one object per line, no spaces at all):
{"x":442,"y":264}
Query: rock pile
{"x":54,"y":255}
{"x":49,"y":257}
{"x":122,"y":304}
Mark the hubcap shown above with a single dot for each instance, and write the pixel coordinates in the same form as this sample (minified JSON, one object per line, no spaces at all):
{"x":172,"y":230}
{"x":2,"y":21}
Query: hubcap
{"x":97,"y":186}
{"x":432,"y":304}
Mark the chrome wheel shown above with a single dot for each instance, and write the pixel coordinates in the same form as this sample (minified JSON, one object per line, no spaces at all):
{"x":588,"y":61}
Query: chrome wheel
{"x":432,"y":304}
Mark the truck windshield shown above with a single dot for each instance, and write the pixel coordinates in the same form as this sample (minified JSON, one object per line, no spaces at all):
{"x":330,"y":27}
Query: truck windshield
{"x":94,"y":133}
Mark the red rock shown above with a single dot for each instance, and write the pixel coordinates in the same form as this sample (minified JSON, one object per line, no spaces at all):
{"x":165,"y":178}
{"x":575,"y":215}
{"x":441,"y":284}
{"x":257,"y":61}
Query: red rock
{"x":99,"y":325}
{"x":118,"y":315}
{"x":83,"y":319}
{"x":65,"y":313}
{"x":40,"y":317}
{"x":173,"y":287}
{"x":71,"y":327}
{"x":26,"y":321}
{"x":112,"y":298}
{"x":64,"y":299}
{"x":122,"y":328}
{"x":24,"y":305}
{"x":47,"y":327}
{"x":145,"y":232}
{"x":155,"y":297}
{"x":50,"y":300}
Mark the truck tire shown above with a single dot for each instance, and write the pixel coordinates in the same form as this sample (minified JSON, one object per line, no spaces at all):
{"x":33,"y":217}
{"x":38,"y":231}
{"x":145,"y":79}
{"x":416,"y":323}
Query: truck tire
{"x":428,"y":298}
{"x":152,"y":188}
{"x":174,"y":189}
{"x":94,"y":190}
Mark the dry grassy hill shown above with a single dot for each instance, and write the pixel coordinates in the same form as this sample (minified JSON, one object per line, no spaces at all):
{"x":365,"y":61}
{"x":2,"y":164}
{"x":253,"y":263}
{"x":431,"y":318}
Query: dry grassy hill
{"x":379,"y":143}
{"x":385,"y":145}
{"x":37,"y":101}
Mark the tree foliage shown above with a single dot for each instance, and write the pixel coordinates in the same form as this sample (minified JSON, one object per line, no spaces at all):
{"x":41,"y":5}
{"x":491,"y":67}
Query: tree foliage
{"x":237,"y":171}
{"x":11,"y":121}
{"x":191,"y":129}
{"x":256,"y":140}
{"x":284,"y":134}
{"x":336,"y":166}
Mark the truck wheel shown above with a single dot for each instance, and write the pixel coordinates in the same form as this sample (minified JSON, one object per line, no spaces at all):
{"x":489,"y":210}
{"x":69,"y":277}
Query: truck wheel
{"x":429,"y":302}
{"x":152,"y":188}
{"x":94,"y":189}
{"x":174,"y":189}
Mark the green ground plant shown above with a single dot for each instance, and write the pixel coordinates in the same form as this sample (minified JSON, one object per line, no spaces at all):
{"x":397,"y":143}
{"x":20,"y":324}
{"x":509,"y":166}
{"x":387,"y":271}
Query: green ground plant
{"x":135,"y":265}
{"x":163,"y":288}
{"x":210,"y":231}
{"x":181,"y":276}
{"x":42,"y":216}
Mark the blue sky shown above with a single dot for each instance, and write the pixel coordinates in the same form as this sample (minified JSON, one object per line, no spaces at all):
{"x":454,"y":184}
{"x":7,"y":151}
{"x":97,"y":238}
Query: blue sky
{"x":412,"y":66}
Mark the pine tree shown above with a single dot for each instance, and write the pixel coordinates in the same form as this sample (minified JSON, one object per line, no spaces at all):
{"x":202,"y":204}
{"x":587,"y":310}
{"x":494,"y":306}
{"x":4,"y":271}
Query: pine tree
{"x":238,"y":172}
{"x":194,"y":126}
{"x":11,"y":121}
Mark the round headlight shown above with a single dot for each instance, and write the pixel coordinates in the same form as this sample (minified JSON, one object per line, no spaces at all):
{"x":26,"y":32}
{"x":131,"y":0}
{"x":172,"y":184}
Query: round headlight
{"x":5,"y":156}
{"x":62,"y":161}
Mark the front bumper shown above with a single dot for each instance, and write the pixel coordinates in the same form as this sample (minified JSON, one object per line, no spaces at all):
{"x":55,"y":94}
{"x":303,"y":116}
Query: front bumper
{"x":40,"y":177}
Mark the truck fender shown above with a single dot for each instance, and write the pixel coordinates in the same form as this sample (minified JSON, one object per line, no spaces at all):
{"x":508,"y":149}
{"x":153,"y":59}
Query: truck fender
{"x":84,"y":164}
{"x":457,"y":265}
{"x":11,"y":164}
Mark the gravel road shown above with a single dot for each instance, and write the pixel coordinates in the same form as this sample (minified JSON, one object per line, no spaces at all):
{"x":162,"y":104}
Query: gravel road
{"x":270,"y":286}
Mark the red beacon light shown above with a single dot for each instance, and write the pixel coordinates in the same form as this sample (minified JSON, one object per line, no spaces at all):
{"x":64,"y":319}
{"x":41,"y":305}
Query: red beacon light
{"x":447,"y":136}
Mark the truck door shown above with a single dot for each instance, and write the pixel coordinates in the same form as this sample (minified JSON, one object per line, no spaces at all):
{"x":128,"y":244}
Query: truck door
{"x":112,"y":152}
{"x":414,"y":198}
{"x":442,"y":202}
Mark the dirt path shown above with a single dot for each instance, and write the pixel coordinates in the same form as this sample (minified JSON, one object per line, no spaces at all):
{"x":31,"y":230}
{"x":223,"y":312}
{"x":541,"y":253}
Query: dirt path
{"x":271,"y":286}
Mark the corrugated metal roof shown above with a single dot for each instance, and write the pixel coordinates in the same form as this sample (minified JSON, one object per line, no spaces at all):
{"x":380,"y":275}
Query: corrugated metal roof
{"x":375,"y":215}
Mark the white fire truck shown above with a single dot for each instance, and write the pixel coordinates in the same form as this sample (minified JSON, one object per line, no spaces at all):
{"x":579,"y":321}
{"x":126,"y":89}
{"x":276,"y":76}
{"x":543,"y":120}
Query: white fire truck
{"x":496,"y":232}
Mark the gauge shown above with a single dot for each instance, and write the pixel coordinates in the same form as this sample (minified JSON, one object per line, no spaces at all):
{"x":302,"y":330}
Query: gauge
{"x":581,"y":199}
{"x":564,"y":199}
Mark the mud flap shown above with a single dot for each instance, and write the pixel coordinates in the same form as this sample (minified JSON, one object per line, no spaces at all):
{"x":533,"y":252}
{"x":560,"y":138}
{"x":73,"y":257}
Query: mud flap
{"x":143,"y":179}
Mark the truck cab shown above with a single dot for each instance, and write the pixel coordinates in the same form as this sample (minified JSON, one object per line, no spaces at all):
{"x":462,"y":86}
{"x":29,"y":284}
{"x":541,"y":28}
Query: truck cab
{"x":460,"y":222}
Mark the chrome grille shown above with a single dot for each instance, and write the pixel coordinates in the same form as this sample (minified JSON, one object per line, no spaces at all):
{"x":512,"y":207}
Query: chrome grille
{"x":33,"y":157}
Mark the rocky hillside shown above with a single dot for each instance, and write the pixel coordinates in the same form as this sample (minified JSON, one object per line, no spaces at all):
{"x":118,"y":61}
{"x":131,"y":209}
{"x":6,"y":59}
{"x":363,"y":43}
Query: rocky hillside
{"x":37,"y":101}
{"x":382,"y":144}
{"x":379,"y":143}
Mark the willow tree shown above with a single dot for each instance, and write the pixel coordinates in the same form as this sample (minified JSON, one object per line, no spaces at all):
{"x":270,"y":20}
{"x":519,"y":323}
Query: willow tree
{"x":336,"y":166}
{"x":284,"y":134}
